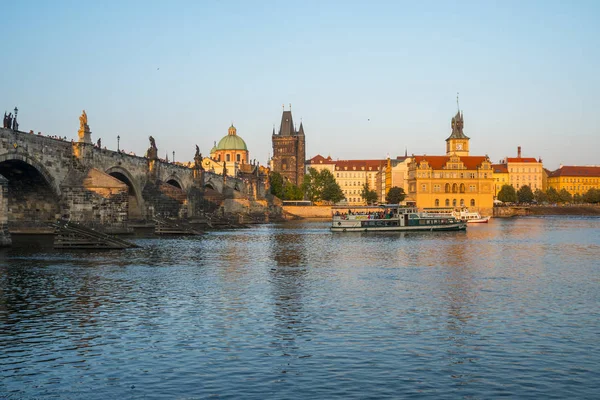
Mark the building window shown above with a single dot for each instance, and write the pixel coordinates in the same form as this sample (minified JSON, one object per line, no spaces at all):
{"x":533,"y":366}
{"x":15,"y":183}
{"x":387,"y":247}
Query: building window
{"x":462,"y":202}
{"x":447,"y":203}
{"x":472,"y":202}
{"x":437,"y":202}
{"x":447,"y":188}
{"x":462,"y":187}
{"x":238,"y":157}
{"x":453,"y":202}
{"x":423,"y":187}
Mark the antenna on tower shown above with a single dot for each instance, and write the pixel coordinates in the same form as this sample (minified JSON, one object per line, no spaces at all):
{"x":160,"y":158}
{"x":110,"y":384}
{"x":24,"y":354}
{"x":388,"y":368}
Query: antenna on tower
{"x":283,"y":107}
{"x":290,"y":106}
{"x":457,"y":106}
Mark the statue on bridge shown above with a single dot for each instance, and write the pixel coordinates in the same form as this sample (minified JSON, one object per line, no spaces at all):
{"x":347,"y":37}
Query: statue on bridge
{"x":8,"y":121}
{"x":198,"y":159}
{"x":84,"y":129}
{"x":152,"y":152}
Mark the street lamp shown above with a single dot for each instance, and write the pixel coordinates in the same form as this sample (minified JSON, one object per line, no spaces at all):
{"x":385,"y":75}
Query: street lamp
{"x":118,"y":140}
{"x":15,"y":124}
{"x":173,"y":156}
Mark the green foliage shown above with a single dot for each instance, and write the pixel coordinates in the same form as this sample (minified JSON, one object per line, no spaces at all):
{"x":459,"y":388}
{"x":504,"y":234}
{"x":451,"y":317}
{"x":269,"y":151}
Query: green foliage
{"x":577,"y":198}
{"x":553,"y":196}
{"x":276,"y":181}
{"x":321,"y":186}
{"x":524,"y":194}
{"x":540,"y":196}
{"x":592,"y":196}
{"x":283,"y":188}
{"x":395,"y":195}
{"x":292,"y":192}
{"x":507,"y":194}
{"x":369,"y":196}
{"x":565,"y":196}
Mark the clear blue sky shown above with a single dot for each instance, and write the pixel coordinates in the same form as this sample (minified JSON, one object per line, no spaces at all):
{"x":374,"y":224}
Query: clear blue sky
{"x":367,"y":78}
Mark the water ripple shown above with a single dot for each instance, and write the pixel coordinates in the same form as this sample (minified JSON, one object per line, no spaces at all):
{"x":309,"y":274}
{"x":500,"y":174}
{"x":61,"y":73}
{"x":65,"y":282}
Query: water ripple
{"x":294,"y":311}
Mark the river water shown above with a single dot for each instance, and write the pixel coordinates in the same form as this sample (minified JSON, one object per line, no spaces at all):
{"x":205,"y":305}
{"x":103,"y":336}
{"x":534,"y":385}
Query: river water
{"x":291,"y":311}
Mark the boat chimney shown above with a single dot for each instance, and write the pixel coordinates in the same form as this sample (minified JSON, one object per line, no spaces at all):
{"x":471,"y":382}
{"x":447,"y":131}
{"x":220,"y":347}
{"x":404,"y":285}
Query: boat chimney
{"x":519,"y":152}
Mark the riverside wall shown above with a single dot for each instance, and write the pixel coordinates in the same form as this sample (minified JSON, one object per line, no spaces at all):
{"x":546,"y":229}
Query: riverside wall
{"x":580,"y":210}
{"x":316,"y":212}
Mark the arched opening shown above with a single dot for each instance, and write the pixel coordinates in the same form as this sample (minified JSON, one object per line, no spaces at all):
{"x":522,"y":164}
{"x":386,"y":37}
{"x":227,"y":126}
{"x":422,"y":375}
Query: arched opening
{"x":209,"y":186}
{"x":455,"y":188}
{"x":447,"y":202}
{"x":472,"y":202}
{"x":134,"y":210}
{"x":453,"y":202}
{"x":462,"y":187}
{"x":173,"y":182}
{"x":462,"y":202}
{"x":447,"y":188}
{"x":437,"y":202}
{"x":32,"y":199}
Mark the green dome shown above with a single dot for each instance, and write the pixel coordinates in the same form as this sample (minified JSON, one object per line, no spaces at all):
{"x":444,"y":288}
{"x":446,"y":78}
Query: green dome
{"x":232,"y":142}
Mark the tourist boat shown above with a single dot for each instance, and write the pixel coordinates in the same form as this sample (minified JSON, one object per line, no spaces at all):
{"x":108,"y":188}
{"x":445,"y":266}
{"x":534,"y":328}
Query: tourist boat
{"x":391,"y":218}
{"x":471,"y":217}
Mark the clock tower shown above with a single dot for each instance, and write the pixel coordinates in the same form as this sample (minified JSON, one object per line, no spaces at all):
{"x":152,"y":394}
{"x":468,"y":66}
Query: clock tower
{"x":457,"y":143}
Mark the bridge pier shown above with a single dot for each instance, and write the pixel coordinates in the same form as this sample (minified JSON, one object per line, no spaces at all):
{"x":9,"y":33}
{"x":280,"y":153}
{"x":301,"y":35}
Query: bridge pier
{"x":5,"y":239}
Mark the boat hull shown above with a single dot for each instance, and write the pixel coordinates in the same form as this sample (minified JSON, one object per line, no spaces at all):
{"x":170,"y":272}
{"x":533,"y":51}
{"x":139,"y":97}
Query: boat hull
{"x":431,"y":228}
{"x":483,"y":220}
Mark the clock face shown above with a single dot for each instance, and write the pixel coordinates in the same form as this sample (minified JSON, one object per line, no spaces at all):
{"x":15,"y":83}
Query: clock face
{"x":458,"y":146}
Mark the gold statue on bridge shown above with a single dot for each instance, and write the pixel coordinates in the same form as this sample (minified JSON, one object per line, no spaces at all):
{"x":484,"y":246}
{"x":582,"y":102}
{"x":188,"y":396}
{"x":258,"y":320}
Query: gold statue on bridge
{"x":84,"y":129}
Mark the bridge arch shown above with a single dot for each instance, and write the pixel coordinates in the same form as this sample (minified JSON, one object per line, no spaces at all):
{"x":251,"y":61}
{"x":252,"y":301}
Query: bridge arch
{"x":24,"y":158}
{"x":174,"y":180}
{"x":33,"y":195}
{"x":136,"y":201}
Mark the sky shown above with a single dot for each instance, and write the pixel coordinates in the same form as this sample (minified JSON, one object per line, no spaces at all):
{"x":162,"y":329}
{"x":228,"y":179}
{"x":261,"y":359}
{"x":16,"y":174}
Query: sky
{"x":368,"y":79}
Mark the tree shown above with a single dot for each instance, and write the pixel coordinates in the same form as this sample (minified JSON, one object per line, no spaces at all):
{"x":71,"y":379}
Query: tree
{"x":395,"y":195}
{"x":276,"y":181}
{"x":553,"y":196}
{"x":507,"y":194}
{"x":540,"y":196}
{"x":577,"y":198}
{"x":321,"y":186}
{"x":331,"y":191}
{"x":524,"y":194}
{"x":565,"y":196}
{"x":592,"y":196}
{"x":369,"y":196}
{"x":292,"y":192}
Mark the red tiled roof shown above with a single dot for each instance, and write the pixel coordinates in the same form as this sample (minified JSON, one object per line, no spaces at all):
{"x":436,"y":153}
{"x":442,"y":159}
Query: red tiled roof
{"x":350,"y":165}
{"x":319,"y":159}
{"x":521,"y":159}
{"x":573,"y":170}
{"x":438,"y":162}
{"x":500,"y":168}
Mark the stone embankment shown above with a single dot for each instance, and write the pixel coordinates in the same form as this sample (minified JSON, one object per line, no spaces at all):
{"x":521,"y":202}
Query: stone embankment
{"x":589,"y":210}
{"x":311,"y":212}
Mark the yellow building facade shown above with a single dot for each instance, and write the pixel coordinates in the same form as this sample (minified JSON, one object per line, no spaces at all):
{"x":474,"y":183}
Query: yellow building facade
{"x":455,"y":179}
{"x":518,"y":172}
{"x":575,"y":179}
{"x":501,"y":178}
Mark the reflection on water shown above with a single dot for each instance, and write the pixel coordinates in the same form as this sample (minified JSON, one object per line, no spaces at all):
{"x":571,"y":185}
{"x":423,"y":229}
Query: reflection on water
{"x":294,"y":311}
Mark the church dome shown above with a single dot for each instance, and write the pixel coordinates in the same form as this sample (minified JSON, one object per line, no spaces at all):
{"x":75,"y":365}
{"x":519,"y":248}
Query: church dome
{"x":232,"y":141}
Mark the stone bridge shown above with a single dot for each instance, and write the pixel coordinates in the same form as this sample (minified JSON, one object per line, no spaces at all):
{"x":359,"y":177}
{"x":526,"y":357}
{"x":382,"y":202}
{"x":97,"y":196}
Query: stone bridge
{"x":43,"y":179}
